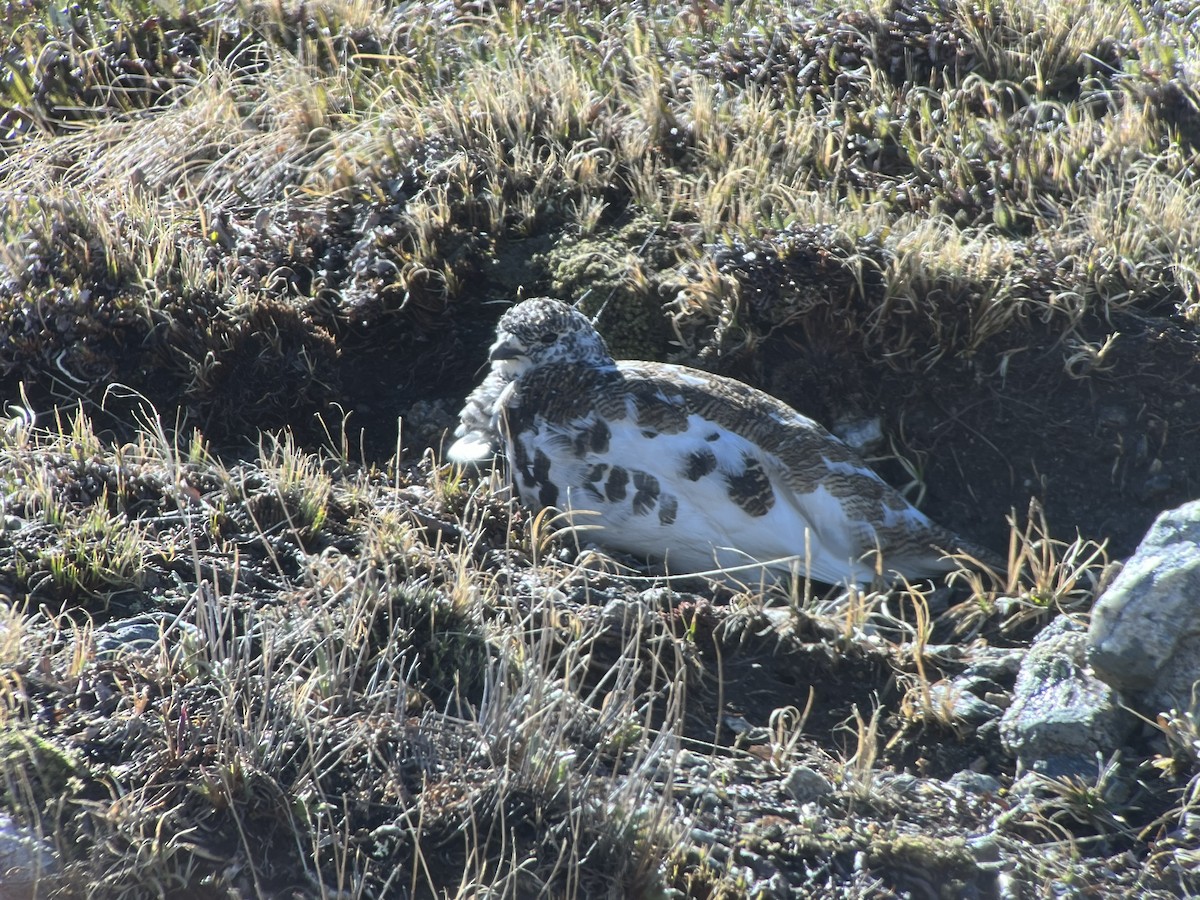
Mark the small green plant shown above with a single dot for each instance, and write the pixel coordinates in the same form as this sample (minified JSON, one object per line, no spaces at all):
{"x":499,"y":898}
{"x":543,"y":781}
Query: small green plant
{"x":92,"y":554}
{"x":297,"y":483}
{"x":859,"y":770}
{"x":1100,"y":804}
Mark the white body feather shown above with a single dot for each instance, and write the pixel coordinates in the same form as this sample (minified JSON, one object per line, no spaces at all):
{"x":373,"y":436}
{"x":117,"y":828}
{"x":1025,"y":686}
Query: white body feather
{"x":698,"y":471}
{"x":807,"y":534}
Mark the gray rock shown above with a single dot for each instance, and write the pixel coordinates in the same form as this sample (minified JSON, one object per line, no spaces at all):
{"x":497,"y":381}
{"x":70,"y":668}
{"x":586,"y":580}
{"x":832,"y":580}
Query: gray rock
{"x":25,"y":860}
{"x":985,"y":848}
{"x":141,"y":634}
{"x":1062,"y":715}
{"x":806,"y":785}
{"x":768,"y":888}
{"x":903,"y":783}
{"x":1145,"y":633}
{"x":970,"y":782}
{"x":994,"y":662}
{"x":627,"y":617}
{"x":962,"y":703}
{"x":975,"y":697}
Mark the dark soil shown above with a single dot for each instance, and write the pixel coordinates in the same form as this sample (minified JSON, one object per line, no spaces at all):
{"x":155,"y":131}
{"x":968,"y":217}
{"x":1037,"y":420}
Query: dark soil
{"x":1103,"y":454}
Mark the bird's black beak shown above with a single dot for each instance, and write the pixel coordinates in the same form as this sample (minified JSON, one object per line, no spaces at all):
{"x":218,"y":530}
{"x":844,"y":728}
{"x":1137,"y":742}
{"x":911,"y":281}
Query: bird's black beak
{"x":505,"y":350}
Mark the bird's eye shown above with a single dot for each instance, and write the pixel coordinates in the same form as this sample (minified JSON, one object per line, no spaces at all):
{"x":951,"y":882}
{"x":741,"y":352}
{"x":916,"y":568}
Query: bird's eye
{"x":548,"y":338}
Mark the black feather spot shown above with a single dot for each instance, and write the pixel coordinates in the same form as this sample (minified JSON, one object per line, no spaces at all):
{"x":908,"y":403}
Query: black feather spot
{"x":646,"y":492}
{"x":668,"y":508}
{"x":593,"y":439}
{"x":699,"y":463}
{"x":751,"y":488}
{"x":614,"y":490}
{"x":541,"y":467}
{"x":521,"y":463}
{"x":538,"y":475}
{"x":591,"y":481}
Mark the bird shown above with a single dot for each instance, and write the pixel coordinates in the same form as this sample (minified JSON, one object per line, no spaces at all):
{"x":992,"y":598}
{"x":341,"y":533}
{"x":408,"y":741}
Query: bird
{"x":691,"y":470}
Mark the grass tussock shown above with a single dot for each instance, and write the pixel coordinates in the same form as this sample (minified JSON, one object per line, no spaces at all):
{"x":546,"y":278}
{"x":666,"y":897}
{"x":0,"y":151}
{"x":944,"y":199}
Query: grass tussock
{"x":298,"y":688}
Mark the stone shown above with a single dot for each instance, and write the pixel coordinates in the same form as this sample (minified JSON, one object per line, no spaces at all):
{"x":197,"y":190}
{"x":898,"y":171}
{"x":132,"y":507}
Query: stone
{"x":995,"y":663}
{"x":1144,"y":637}
{"x":146,"y":633}
{"x":25,"y":861}
{"x":962,"y":703}
{"x":805,"y":785}
{"x":970,"y":782}
{"x":1062,"y":715}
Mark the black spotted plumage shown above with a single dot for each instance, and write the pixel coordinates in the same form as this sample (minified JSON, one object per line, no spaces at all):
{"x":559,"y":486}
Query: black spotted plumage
{"x":680,"y":465}
{"x":750,"y":488}
{"x":699,"y":463}
{"x":646,"y":491}
{"x":615,"y":487}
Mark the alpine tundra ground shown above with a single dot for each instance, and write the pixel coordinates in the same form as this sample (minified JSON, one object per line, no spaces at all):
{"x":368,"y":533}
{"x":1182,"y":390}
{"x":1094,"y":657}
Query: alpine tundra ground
{"x":256,"y":640}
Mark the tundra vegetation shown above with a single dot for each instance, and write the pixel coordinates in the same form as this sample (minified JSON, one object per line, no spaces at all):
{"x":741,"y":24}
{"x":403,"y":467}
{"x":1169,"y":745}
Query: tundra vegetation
{"x":257,"y":640}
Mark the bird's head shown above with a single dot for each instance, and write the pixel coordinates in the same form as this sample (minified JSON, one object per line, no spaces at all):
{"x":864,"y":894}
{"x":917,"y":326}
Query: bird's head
{"x":542,"y":331}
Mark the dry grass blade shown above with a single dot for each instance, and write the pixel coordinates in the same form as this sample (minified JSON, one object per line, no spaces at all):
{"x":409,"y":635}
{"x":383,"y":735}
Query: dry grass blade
{"x":1044,"y":577}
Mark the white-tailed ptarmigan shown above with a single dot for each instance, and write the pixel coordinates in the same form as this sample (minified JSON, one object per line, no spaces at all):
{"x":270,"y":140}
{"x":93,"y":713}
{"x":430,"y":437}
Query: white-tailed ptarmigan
{"x":695,"y":470}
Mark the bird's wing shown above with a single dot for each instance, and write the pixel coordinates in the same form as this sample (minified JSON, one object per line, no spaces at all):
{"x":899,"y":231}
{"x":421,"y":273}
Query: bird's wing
{"x":727,"y":473}
{"x":849,"y":512}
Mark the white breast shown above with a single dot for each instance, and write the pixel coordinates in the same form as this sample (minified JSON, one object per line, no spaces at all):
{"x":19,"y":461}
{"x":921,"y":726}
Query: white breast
{"x":693,"y":524}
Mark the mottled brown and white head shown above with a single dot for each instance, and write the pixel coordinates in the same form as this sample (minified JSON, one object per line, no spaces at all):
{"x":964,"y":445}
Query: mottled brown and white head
{"x":542,"y":331}
{"x":534,"y":333}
